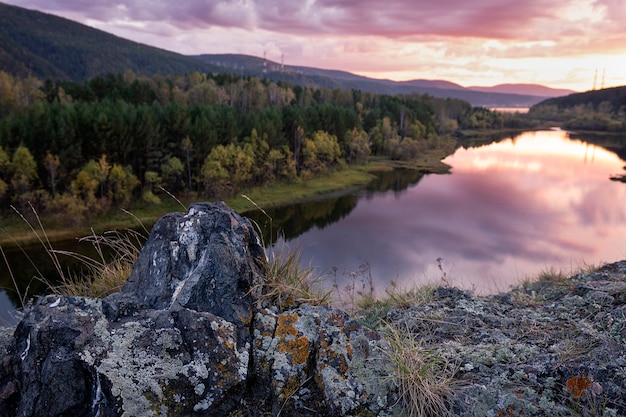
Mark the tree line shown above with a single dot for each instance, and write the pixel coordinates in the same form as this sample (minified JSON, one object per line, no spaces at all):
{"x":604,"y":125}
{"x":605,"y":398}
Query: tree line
{"x":75,"y":149}
{"x":598,"y":110}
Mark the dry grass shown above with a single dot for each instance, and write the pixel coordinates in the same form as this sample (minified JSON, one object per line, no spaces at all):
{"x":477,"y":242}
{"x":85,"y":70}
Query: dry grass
{"x":549,"y":284}
{"x":425,"y":378}
{"x":360,"y":299}
{"x":105,"y":273}
{"x":406,"y":297}
{"x":288,"y":284}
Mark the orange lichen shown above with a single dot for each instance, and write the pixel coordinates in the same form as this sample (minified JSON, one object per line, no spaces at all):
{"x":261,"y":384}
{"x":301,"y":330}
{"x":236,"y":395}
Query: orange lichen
{"x":336,"y":319}
{"x":510,"y":412}
{"x":298,"y":348}
{"x":334,"y":359}
{"x":288,"y":340}
{"x":324,"y":343}
{"x":577,"y":385}
{"x":349,"y":350}
{"x":286,"y":325}
{"x":246,"y":320}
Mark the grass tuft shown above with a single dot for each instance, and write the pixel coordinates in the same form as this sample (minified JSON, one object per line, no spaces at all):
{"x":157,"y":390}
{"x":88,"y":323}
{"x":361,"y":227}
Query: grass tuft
{"x":360,"y":298}
{"x":105,"y":273}
{"x":426,"y":379}
{"x":549,"y":284}
{"x":288,"y":284}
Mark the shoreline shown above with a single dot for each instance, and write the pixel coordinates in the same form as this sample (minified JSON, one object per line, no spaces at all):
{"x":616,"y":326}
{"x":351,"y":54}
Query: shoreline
{"x":19,"y":234}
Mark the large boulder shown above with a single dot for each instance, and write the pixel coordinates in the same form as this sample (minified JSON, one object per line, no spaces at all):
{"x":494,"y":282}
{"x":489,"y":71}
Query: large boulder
{"x":175,"y":341}
{"x":187,"y":337}
{"x":208,"y":260}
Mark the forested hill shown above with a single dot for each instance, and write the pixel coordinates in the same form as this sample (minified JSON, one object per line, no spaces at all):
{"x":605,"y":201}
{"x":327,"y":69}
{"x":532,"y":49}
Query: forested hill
{"x":49,"y":47}
{"x":598,"y":110}
{"x":616,"y":97}
{"x":46,"y":46}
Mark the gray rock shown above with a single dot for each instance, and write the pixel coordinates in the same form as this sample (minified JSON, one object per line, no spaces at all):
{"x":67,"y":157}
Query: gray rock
{"x":209,"y":259}
{"x":175,"y":341}
{"x":549,"y":349}
{"x":318,"y":359}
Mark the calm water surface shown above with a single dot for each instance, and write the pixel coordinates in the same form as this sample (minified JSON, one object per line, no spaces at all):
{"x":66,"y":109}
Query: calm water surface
{"x":507,"y":211}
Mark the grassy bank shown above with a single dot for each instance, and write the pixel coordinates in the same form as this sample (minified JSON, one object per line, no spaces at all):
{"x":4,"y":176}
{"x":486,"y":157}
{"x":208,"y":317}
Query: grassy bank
{"x":15,"y":231}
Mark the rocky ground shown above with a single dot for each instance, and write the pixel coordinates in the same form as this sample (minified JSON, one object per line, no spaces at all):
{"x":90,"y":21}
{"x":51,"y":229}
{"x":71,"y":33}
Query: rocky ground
{"x":191,"y":334}
{"x":555,"y":347}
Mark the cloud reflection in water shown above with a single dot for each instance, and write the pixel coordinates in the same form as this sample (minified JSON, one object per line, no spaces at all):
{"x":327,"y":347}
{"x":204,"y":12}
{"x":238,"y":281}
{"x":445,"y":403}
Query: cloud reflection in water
{"x":508,"y":210}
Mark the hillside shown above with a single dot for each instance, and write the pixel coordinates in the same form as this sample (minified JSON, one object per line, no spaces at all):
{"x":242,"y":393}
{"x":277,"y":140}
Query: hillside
{"x":534,"y":89}
{"x":597,"y":110}
{"x":46,"y":46}
{"x":615,"y":96}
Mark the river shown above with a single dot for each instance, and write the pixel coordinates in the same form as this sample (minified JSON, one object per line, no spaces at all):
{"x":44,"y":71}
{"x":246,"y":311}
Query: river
{"x":509,"y":210}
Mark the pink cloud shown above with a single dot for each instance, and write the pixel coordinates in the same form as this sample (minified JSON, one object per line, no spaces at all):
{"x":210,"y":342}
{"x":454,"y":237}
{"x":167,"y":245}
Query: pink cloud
{"x":471,"y":42}
{"x":482,"y":18}
{"x":479,"y":18}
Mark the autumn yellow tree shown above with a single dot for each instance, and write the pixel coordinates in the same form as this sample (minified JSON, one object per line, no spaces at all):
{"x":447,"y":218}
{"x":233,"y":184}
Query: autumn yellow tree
{"x":52,"y":163}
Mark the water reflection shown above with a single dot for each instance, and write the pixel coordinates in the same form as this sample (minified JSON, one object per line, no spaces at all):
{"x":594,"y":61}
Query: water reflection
{"x":508,"y":210}
{"x":33,"y":269}
{"x":292,"y":221}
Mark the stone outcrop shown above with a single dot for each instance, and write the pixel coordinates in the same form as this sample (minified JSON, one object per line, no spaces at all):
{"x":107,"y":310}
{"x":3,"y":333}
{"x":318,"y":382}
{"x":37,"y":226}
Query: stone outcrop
{"x":555,"y":347}
{"x":317,"y":359}
{"x":187,"y":337}
{"x":191,"y":334}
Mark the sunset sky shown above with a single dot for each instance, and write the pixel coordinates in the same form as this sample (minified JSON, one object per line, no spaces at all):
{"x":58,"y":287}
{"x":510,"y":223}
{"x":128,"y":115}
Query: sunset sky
{"x":558,"y":43}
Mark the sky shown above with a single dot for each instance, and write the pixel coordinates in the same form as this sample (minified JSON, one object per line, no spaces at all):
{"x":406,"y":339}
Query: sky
{"x":574,"y":44}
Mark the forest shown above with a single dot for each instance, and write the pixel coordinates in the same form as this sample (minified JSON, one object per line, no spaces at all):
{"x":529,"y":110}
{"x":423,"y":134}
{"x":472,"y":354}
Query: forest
{"x":598,"y":110}
{"x":73,"y":150}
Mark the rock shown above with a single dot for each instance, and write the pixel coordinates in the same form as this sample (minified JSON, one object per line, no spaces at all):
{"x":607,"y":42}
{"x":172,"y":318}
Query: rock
{"x":73,"y":361}
{"x":551,"y":349}
{"x":209,"y":259}
{"x":176,"y":340}
{"x":317,"y":359}
{"x":185,"y":337}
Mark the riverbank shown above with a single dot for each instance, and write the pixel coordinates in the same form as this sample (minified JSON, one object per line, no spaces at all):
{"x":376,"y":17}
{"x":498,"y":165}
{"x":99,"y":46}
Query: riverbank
{"x":14,"y":231}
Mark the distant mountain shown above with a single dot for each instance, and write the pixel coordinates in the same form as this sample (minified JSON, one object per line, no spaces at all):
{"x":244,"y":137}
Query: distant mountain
{"x":532,"y":89}
{"x":47,"y":46}
{"x":444,"y":85}
{"x":315,"y":77}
